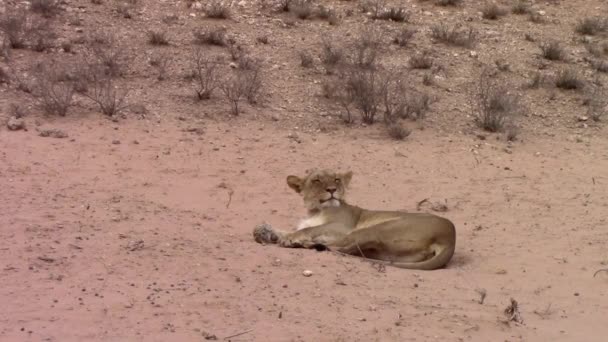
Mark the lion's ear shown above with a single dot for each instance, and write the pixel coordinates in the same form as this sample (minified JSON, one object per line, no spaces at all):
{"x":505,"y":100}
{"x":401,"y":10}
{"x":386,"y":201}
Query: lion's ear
{"x":346,"y":177}
{"x":295,"y":183}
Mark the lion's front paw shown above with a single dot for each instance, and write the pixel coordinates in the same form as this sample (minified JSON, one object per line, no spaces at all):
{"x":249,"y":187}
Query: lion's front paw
{"x":264,"y":233}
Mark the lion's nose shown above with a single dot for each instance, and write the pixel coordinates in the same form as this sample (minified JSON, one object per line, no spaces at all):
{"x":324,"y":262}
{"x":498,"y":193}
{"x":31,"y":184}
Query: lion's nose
{"x":331,"y":190}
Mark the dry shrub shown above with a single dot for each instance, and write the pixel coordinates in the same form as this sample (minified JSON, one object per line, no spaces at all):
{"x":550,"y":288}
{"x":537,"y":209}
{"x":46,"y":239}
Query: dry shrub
{"x":158,"y":37}
{"x":536,"y":18}
{"x":331,"y":55}
{"x":521,"y":7}
{"x":366,"y":48}
{"x":600,"y":65}
{"x":569,"y":79}
{"x":421,"y":60}
{"x":53,"y":89}
{"x":126,"y":8}
{"x":218,"y":9}
{"x":592,"y":26}
{"x":306,"y":59}
{"x":212,"y":37}
{"x":495,"y":105}
{"x":21,"y":29}
{"x":395,"y":14}
{"x":492,"y":11}
{"x":161,"y":63}
{"x":303,"y":9}
{"x":448,"y":2}
{"x":553,"y":51}
{"x":103,"y":91}
{"x":454,"y":35}
{"x":109,"y":54}
{"x":597,"y":104}
{"x":417,"y":105}
{"x":243,"y":84}
{"x":404,"y":37}
{"x":205,"y":75}
{"x":46,"y":8}
{"x":397,"y":131}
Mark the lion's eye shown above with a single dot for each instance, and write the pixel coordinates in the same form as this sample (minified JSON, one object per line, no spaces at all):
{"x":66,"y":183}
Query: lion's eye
{"x":316,"y":181}
{"x":337,"y":180}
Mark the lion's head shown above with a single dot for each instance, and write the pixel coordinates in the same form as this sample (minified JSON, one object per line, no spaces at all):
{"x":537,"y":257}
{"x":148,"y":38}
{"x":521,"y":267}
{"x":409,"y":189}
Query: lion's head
{"x":321,"y":188}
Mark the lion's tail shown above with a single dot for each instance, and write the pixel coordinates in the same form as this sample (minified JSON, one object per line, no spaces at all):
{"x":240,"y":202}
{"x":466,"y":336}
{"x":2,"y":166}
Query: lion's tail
{"x":443,"y":254}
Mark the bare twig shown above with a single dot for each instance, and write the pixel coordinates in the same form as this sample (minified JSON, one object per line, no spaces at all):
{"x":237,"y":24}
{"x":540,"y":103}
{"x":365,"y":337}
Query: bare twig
{"x":239,"y":334}
{"x":600,"y":270}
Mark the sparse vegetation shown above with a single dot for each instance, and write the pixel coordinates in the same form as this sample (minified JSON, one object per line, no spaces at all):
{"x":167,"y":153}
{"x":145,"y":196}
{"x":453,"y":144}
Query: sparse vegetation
{"x":46,"y":8}
{"x":52,"y":89}
{"x":395,"y":14}
{"x":521,"y":7}
{"x":404,"y":37}
{"x":492,"y":11}
{"x":158,"y":37}
{"x":234,"y":90}
{"x":569,"y":79}
{"x":397,"y":131}
{"x":597,"y":104}
{"x":421,"y":60}
{"x":111,"y":55}
{"x":218,"y":9}
{"x":205,"y":75}
{"x":600,"y":65}
{"x":536,"y":17}
{"x":331,"y":55}
{"x":553,"y":51}
{"x":303,"y":9}
{"x":104,"y":92}
{"x":161,"y":63}
{"x":211,"y":37}
{"x":495,"y":106}
{"x":449,"y":2}
{"x":306,"y":59}
{"x":454,"y":35}
{"x":592,"y":26}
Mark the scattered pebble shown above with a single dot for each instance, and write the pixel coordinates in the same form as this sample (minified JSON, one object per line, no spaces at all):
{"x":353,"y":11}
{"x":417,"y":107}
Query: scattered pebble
{"x":307,"y":273}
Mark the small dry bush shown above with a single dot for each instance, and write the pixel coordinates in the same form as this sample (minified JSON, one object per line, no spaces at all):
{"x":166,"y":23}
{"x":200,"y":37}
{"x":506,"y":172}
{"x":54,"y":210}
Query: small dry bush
{"x":492,"y":11}
{"x":19,"y":27}
{"x":449,"y":2}
{"x":569,"y":79}
{"x":592,"y":26}
{"x":331,"y":55}
{"x":104,"y":92}
{"x":521,"y":7}
{"x":306,"y":59}
{"x":233,"y":89}
{"x":303,"y":9}
{"x":161,"y":62}
{"x":597,"y":104}
{"x":53,"y":89}
{"x":553,"y":51}
{"x":205,"y":74}
{"x":536,"y":18}
{"x":397,"y":131}
{"x":395,"y":14}
{"x":126,"y":8}
{"x":421,"y":60}
{"x":218,"y":9}
{"x":328,"y":14}
{"x":454,"y":35}
{"x":600,"y":65}
{"x":417,"y":105}
{"x":106,"y":51}
{"x":366,"y":47}
{"x":495,"y":105}
{"x":211,"y":37}
{"x":158,"y":37}
{"x":46,"y":8}
{"x":404,"y":37}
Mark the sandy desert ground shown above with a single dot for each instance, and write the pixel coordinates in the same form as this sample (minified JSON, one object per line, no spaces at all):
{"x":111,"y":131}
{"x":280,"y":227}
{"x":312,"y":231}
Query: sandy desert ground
{"x":137,"y":227}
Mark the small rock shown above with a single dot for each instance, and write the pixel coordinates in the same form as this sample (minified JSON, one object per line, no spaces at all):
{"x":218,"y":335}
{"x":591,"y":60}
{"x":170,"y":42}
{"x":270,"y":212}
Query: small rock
{"x":15,"y":124}
{"x":116,"y":142}
{"x":473,"y":54}
{"x":307,"y":273}
{"x":583,"y":118}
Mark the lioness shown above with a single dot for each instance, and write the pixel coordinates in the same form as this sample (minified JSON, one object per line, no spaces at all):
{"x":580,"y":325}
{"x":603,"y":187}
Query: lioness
{"x":407,"y":240}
